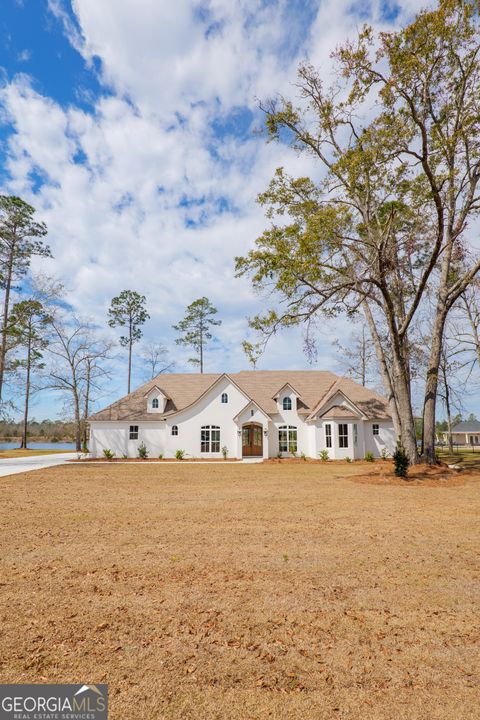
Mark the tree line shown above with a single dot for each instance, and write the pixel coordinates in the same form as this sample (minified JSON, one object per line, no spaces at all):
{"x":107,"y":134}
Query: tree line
{"x":45,"y":345}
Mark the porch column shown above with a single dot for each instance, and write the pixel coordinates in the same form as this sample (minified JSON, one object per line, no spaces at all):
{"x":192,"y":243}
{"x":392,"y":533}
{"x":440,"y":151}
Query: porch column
{"x":265,"y":440}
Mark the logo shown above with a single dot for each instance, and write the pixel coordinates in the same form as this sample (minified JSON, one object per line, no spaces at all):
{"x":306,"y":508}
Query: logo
{"x":53,"y":702}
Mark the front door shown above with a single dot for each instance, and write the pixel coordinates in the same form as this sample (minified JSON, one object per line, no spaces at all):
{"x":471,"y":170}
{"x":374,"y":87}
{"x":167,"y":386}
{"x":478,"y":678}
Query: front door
{"x":252,"y":440}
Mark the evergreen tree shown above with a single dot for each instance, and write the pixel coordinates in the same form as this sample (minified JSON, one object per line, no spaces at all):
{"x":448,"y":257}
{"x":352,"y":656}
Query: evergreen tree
{"x":30,"y":322}
{"x":20,"y":239}
{"x":128,"y":310}
{"x":195,"y":328}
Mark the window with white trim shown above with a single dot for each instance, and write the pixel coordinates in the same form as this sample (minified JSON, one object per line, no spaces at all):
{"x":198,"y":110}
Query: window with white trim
{"x":328,"y":436}
{"x":376,"y":429}
{"x":287,"y":403}
{"x":133,"y":432}
{"x":210,"y":439}
{"x":174,"y":429}
{"x":343,"y":435}
{"x":224,"y":398}
{"x":287,"y":438}
{"x":155,"y":403}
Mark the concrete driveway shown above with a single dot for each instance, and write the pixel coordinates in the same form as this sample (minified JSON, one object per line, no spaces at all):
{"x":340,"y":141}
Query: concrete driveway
{"x":11,"y":466}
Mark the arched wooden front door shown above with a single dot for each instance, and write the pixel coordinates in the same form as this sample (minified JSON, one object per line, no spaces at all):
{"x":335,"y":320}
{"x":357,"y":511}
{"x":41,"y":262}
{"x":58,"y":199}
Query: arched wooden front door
{"x":252,"y":440}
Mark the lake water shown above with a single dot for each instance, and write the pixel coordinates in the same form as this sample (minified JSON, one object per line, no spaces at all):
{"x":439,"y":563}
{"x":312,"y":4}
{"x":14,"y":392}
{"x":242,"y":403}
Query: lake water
{"x":38,"y":445}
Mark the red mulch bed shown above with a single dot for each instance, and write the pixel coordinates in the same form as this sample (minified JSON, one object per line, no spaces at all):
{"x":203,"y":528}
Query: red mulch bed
{"x":425,"y":475}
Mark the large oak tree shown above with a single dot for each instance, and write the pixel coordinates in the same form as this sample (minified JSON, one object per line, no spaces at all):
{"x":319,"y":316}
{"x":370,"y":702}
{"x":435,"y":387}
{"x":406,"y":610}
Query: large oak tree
{"x":387,"y":228}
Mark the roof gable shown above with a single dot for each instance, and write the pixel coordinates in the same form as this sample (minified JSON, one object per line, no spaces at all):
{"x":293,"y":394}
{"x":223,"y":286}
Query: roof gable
{"x":158,"y":389}
{"x":321,"y":410}
{"x":286,"y":385}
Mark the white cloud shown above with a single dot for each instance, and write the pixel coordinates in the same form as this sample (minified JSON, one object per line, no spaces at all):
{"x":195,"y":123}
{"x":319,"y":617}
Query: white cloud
{"x":141,"y":193}
{"x":24,"y":55}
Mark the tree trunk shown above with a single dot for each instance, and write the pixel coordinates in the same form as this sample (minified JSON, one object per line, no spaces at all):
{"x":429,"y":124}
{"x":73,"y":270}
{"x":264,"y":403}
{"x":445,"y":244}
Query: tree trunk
{"x":363,"y":358}
{"x":431,"y":388}
{"x":201,"y":348}
{"x":87,"y":402}
{"x":384,"y":370}
{"x":78,"y":422}
{"x":405,"y":412}
{"x":6,"y":308}
{"x":27,"y":391}
{"x":129,"y":364}
{"x":449,"y":421}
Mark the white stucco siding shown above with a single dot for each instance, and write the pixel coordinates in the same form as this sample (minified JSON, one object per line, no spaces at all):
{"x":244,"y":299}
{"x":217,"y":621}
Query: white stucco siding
{"x":208,"y":411}
{"x":115,"y":436}
{"x":335,"y":452}
{"x":385,"y":438}
{"x":292,"y":419}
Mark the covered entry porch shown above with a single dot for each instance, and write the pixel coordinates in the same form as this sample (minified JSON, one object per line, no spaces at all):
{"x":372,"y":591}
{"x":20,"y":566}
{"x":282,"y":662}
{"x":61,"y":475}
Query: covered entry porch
{"x":252,"y":432}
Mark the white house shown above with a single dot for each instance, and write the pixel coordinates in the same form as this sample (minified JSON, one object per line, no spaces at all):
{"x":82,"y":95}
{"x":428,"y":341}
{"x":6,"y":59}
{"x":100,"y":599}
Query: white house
{"x":249,"y":414}
{"x":466,"y":432}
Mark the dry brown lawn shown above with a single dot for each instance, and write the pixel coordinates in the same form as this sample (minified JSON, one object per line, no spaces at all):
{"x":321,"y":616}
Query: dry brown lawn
{"x":21,"y":452}
{"x":242,"y":592}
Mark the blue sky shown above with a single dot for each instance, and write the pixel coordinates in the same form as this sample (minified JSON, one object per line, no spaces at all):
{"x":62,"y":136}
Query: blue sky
{"x":130,"y":126}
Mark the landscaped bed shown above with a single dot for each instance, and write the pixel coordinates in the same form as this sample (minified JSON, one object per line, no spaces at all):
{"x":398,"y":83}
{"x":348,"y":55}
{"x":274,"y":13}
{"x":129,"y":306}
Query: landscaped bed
{"x":235,"y":592}
{"x":151,"y":460}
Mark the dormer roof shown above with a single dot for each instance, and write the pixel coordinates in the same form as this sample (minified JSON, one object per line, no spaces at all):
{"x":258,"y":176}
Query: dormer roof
{"x":158,"y":389}
{"x":287,"y":386}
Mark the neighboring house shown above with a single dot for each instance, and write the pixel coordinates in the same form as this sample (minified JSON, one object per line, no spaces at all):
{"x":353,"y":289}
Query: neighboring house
{"x":251,"y":414}
{"x":465,"y":433}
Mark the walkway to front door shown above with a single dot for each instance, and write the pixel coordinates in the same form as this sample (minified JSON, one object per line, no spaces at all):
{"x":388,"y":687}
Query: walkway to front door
{"x":252,"y":440}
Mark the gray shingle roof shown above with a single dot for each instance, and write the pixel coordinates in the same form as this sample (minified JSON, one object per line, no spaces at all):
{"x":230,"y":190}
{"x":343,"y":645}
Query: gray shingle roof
{"x":467,"y":426}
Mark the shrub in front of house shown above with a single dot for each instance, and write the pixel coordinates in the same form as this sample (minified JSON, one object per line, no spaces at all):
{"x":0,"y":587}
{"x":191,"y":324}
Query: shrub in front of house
{"x":142,"y":451}
{"x":323,"y":455}
{"x":369,"y":457}
{"x":225,"y":452}
{"x":180,"y":454}
{"x":108,"y":453}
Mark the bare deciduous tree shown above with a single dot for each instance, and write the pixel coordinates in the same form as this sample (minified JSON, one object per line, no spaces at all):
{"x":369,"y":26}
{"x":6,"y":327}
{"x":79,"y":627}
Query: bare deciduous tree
{"x":155,"y":359}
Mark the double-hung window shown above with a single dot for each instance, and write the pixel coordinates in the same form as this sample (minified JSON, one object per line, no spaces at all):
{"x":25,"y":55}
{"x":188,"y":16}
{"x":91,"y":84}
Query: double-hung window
{"x":328,"y":436}
{"x":342,"y":435}
{"x":133,"y":433}
{"x":376,"y":429}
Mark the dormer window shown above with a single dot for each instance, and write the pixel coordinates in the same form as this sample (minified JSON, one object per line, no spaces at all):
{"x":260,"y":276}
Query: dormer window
{"x":287,"y":403}
{"x":224,"y":398}
{"x":156,"y":400}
